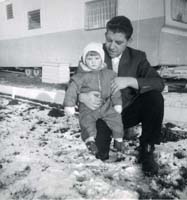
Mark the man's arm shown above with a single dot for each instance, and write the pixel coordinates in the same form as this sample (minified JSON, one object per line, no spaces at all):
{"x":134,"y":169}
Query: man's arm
{"x":120,"y":83}
{"x":148,"y":78}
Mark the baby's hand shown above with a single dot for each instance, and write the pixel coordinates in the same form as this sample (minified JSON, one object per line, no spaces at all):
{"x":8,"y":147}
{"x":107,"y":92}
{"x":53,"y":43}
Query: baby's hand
{"x":118,"y":108}
{"x":69,"y":111}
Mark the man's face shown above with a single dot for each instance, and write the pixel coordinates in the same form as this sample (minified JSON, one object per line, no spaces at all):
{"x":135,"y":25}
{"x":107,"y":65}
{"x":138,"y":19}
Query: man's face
{"x":115,"y":43}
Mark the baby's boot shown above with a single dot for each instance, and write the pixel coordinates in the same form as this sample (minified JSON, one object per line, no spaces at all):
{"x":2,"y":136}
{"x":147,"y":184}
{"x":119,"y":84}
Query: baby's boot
{"x":92,"y":147}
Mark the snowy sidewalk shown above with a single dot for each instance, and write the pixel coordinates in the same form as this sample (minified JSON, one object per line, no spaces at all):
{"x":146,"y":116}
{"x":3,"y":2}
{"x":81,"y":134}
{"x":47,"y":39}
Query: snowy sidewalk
{"x":43,"y":157}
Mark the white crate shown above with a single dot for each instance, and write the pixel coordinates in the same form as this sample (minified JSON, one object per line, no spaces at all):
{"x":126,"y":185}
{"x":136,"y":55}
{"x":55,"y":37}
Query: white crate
{"x":55,"y":73}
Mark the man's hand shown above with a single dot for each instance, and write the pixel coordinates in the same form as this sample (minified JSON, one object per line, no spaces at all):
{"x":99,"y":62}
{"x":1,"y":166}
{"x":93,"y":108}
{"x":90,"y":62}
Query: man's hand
{"x":91,"y":99}
{"x":119,"y":83}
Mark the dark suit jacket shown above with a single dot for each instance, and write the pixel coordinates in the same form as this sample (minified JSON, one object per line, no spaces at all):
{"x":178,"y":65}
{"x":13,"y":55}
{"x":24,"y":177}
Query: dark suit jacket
{"x":133,"y":63}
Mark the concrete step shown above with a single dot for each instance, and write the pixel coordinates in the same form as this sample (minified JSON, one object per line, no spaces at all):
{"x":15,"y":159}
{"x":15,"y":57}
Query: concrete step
{"x":43,"y":95}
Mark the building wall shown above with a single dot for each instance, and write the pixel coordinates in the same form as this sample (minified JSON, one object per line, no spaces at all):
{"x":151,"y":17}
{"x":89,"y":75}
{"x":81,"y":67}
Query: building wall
{"x":66,"y":15}
{"x":62,"y":37}
{"x":56,"y":15}
{"x":67,"y":46}
{"x":172,"y":49}
{"x":141,"y":9}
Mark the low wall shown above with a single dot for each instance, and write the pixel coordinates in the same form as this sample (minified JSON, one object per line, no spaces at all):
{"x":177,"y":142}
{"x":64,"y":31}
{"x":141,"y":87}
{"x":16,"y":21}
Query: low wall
{"x":54,"y":96}
{"x":175,"y":107}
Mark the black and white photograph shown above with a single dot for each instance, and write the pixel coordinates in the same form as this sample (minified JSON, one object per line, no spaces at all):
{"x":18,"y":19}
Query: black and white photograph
{"x":93,"y":99}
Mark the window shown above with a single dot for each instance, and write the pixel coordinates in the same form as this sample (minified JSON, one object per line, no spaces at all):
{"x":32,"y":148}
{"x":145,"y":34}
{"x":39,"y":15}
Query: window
{"x":176,"y":14}
{"x":98,"y":12}
{"x":9,"y":11}
{"x":179,"y":10}
{"x":34,"y":19}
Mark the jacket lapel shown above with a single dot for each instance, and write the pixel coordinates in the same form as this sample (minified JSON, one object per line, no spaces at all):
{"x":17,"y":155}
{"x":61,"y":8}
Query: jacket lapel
{"x":123,"y":69}
{"x":123,"y":64}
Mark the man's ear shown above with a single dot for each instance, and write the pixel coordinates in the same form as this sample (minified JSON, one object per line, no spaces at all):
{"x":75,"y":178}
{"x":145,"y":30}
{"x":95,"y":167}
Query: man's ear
{"x":81,"y":59}
{"x":105,"y":34}
{"x":130,"y":40}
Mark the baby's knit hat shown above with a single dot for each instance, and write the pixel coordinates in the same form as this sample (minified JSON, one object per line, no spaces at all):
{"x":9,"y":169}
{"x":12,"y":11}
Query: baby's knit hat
{"x":94,"y":46}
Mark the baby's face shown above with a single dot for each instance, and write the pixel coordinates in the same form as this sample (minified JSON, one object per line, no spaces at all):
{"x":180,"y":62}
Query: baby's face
{"x":93,"y":61}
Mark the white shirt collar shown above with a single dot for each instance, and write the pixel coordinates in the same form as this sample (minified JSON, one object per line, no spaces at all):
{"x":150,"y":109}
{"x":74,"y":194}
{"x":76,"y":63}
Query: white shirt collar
{"x":115,"y":63}
{"x":117,"y":58}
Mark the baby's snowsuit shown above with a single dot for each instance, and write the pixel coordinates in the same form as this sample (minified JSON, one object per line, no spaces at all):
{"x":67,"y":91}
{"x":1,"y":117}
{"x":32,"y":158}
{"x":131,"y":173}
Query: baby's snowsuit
{"x":85,"y":81}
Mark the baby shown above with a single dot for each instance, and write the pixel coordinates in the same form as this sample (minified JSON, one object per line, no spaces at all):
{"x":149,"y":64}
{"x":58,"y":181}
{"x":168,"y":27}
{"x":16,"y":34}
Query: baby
{"x":93,"y":75}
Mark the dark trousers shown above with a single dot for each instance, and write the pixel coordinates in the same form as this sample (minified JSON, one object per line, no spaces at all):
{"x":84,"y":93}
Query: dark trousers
{"x":147,"y":109}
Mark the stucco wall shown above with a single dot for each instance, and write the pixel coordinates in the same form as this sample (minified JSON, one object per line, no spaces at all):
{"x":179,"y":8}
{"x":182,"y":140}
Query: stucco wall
{"x":67,"y":46}
{"x":56,"y":15}
{"x":172,"y":49}
{"x":66,"y":15}
{"x":62,"y":37}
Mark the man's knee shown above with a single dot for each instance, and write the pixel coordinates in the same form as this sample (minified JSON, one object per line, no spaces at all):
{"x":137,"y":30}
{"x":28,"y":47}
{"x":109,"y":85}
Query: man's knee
{"x":154,"y":99}
{"x":100,"y":124}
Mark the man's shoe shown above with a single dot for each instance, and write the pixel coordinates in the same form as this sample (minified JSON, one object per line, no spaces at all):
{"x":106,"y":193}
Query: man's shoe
{"x":149,"y":165}
{"x":102,"y":156}
{"x":146,"y":158}
{"x":143,"y":149}
{"x":92,"y":147}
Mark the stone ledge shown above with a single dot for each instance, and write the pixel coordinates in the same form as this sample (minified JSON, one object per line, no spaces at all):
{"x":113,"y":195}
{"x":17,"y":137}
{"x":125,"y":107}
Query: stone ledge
{"x":174,"y":99}
{"x":175,"y":109}
{"x":175,"y":103}
{"x":54,"y":96}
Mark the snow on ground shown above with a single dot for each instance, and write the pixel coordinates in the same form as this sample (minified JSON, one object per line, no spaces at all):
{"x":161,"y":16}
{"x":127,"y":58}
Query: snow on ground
{"x":42,"y":157}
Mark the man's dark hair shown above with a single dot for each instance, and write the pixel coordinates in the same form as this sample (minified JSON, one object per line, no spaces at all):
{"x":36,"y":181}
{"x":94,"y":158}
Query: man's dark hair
{"x":120,"y":24}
